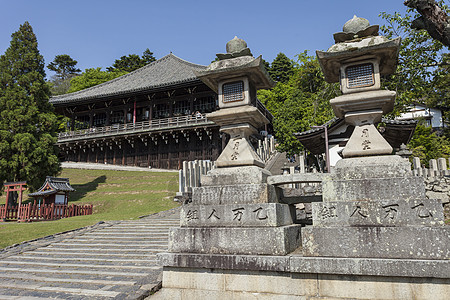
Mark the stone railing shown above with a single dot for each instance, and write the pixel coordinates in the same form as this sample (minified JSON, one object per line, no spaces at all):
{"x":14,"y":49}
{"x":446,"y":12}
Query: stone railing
{"x":437,"y":167}
{"x":266,"y":148}
{"x":189,"y":175}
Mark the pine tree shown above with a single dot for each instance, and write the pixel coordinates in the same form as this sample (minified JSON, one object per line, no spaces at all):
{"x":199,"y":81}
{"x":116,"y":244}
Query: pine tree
{"x":281,"y":68}
{"x":27,"y":121}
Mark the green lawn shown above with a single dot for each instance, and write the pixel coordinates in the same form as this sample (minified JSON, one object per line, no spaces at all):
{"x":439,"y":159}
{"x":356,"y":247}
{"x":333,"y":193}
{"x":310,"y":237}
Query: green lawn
{"x":116,"y":195}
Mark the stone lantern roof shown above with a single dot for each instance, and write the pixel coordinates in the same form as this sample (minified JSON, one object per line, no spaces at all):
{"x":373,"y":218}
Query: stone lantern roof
{"x":358,"y":41}
{"x":238,"y":61}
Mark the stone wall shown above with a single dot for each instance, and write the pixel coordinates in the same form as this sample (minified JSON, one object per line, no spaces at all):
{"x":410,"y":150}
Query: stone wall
{"x":202,"y":283}
{"x":438,"y":187}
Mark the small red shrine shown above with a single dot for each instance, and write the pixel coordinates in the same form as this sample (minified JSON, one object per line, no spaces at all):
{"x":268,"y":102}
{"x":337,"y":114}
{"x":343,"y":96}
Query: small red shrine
{"x":54,"y":191}
{"x":54,"y":194}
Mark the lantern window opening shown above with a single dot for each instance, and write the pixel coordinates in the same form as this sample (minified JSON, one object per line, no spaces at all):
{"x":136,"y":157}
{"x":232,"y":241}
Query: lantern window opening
{"x":360,"y":75}
{"x":233,"y":91}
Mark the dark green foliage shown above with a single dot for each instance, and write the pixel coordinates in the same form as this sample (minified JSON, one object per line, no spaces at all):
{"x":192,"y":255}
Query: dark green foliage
{"x":92,"y":77}
{"x":27,"y":122}
{"x":441,"y":87}
{"x":418,"y":57}
{"x":422,"y":75}
{"x":281,"y":68}
{"x":65,"y":69}
{"x":427,"y":145}
{"x":64,"y":66}
{"x":299,"y":103}
{"x":132,"y":62}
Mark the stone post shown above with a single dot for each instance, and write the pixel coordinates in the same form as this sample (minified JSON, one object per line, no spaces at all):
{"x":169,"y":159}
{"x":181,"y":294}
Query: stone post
{"x":181,"y":182}
{"x":416,"y":163}
{"x":442,"y":165}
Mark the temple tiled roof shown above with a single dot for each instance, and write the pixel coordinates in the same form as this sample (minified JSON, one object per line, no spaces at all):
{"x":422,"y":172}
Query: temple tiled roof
{"x":53,"y":185}
{"x":166,"y":71}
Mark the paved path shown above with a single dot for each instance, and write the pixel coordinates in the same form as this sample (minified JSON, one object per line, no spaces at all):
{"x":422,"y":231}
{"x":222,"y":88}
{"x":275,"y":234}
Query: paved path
{"x":112,"y":260}
{"x":92,"y":166}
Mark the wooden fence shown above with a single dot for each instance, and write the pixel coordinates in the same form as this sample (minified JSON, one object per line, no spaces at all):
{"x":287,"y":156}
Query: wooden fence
{"x":34,"y":212}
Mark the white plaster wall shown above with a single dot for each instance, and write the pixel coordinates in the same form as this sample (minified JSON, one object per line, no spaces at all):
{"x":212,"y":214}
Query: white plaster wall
{"x":59,"y":199}
{"x":334,"y":156}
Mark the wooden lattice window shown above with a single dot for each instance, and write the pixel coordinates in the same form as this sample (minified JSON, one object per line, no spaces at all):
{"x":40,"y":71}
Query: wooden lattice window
{"x":360,"y":76}
{"x":233,"y":91}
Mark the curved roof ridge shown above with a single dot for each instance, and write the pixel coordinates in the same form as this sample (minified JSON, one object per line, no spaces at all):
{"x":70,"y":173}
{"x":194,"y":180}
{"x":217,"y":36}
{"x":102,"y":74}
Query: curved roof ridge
{"x":185,"y":61}
{"x":114,"y":79}
{"x":175,"y":70}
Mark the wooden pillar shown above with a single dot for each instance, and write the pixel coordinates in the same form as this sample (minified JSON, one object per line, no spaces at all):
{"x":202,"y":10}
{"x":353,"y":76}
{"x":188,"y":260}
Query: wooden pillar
{"x":191,"y":102}
{"x":114,"y":150}
{"x":72,"y":123}
{"x":150,"y":117}
{"x":108,"y":117}
{"x":7,"y":197}
{"x":91,"y":119}
{"x":20,"y":195}
{"x":170,"y":108}
{"x":123,"y":153}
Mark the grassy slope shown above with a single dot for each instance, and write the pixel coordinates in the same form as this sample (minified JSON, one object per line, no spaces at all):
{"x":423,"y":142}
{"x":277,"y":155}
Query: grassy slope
{"x":116,"y":195}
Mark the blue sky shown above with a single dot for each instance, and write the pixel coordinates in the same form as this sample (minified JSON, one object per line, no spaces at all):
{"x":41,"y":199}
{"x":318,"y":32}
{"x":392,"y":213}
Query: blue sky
{"x":97,"y":32}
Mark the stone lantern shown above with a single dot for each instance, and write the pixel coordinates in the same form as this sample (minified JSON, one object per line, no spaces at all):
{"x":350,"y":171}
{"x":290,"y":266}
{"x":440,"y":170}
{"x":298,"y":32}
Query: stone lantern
{"x":235,"y":210}
{"x":357,"y":61}
{"x":236,"y":77}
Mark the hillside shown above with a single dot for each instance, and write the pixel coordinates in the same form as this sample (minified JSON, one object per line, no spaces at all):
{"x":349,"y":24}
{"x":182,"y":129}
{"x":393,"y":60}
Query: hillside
{"x":116,"y":195}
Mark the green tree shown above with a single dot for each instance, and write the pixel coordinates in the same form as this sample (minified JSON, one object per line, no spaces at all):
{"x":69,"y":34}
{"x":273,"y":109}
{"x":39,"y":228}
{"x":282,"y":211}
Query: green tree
{"x":64,"y":66}
{"x":299,"y":103}
{"x":281,"y":68}
{"x":132,"y":62}
{"x":422,"y":75}
{"x":27,"y":121}
{"x":426,"y":144}
{"x":419,"y":55}
{"x":91,"y":77}
{"x":65,"y":69}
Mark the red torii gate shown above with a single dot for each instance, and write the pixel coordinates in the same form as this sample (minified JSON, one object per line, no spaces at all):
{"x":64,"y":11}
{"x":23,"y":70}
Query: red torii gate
{"x":19,"y":187}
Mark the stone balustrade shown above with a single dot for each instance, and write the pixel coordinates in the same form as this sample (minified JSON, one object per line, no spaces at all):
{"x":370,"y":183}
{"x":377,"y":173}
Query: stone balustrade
{"x":437,"y":167}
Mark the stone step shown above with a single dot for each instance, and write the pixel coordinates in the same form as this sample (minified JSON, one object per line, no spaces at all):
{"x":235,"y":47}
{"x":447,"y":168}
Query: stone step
{"x":146,"y":223}
{"x":109,"y":262}
{"x":81,"y":276}
{"x":66,"y":259}
{"x":78,"y":265}
{"x":68,"y":271}
{"x":64,"y":290}
{"x":41,"y":253}
{"x":103,"y":244}
{"x":109,"y":247}
{"x":142,"y":227}
{"x":13,"y":297}
{"x":56,"y":248}
{"x":102,"y":233}
{"x":129,"y":238}
{"x":65,"y":279}
{"x":140,"y":231}
{"x":120,"y":241}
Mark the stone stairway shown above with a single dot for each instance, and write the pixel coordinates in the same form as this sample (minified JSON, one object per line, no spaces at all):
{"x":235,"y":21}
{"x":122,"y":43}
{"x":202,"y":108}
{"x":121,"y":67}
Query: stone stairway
{"x":116,"y":260}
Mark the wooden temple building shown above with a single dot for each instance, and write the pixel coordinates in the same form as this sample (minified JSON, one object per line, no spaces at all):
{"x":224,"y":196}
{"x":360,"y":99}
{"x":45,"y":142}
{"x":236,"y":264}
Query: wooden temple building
{"x":152,"y":117}
{"x":54,"y":191}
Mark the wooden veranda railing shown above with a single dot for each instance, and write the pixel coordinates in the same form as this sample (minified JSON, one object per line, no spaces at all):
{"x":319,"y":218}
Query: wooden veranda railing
{"x":117,"y":129}
{"x":34,"y":212}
